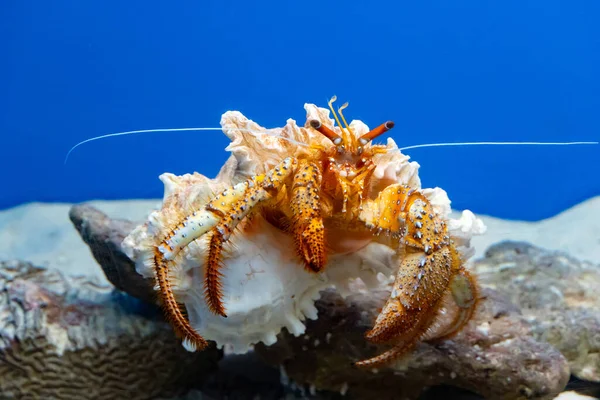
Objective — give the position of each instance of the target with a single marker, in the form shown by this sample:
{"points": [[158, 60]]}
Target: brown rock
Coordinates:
{"points": [[494, 356], [557, 294], [497, 355], [104, 237]]}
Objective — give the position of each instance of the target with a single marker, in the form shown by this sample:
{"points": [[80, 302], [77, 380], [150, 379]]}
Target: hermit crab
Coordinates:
{"points": [[321, 192]]}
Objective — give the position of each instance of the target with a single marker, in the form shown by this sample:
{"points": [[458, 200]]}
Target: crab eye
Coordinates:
{"points": [[380, 130], [325, 131]]}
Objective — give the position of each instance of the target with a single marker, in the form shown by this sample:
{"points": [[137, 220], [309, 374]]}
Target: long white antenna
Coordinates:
{"points": [[138, 131], [419, 146], [178, 130]]}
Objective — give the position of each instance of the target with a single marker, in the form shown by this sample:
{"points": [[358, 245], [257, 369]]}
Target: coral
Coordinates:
{"points": [[64, 337], [259, 279]]}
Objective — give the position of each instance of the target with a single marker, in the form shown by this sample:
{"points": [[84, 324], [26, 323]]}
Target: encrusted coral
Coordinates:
{"points": [[72, 337], [265, 284]]}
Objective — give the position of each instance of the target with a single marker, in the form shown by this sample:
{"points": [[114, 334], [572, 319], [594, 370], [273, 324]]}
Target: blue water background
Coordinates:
{"points": [[508, 70]]}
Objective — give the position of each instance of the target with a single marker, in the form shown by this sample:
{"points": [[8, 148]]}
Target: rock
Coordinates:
{"points": [[498, 355], [558, 296], [486, 358], [71, 338], [583, 388], [104, 236]]}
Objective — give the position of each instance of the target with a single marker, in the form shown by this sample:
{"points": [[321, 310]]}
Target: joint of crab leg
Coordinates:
{"points": [[199, 222], [372, 134], [325, 131], [191, 228]]}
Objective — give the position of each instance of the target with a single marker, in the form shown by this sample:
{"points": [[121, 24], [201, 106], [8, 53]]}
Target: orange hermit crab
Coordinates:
{"points": [[324, 196]]}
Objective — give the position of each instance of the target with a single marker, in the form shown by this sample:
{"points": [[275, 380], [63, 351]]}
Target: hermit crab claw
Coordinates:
{"points": [[418, 288], [418, 294]]}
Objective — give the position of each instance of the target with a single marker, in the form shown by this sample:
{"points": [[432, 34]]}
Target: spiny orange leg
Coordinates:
{"points": [[233, 206], [220, 216], [423, 275], [192, 340], [231, 214], [309, 231]]}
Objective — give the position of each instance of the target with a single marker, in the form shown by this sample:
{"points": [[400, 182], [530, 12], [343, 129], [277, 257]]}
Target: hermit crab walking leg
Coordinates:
{"points": [[232, 206], [309, 231], [199, 223], [463, 288], [221, 216], [191, 339]]}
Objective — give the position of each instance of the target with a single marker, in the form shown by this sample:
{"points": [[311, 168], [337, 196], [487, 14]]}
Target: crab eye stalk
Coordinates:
{"points": [[325, 131], [380, 130]]}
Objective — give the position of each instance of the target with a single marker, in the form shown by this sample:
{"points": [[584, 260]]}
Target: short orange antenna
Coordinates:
{"points": [[373, 133], [344, 135], [352, 139]]}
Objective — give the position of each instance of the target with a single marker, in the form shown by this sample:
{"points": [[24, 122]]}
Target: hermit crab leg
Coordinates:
{"points": [[232, 206], [222, 215], [192, 340], [423, 277], [309, 231], [240, 202], [463, 288]]}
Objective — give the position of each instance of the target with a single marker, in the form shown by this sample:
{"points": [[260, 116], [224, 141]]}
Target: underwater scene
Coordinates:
{"points": [[212, 200]]}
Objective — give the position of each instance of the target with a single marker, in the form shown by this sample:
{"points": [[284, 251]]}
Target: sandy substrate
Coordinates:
{"points": [[573, 396], [42, 233], [575, 231]]}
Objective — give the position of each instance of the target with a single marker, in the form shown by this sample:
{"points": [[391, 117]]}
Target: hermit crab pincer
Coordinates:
{"points": [[320, 189]]}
